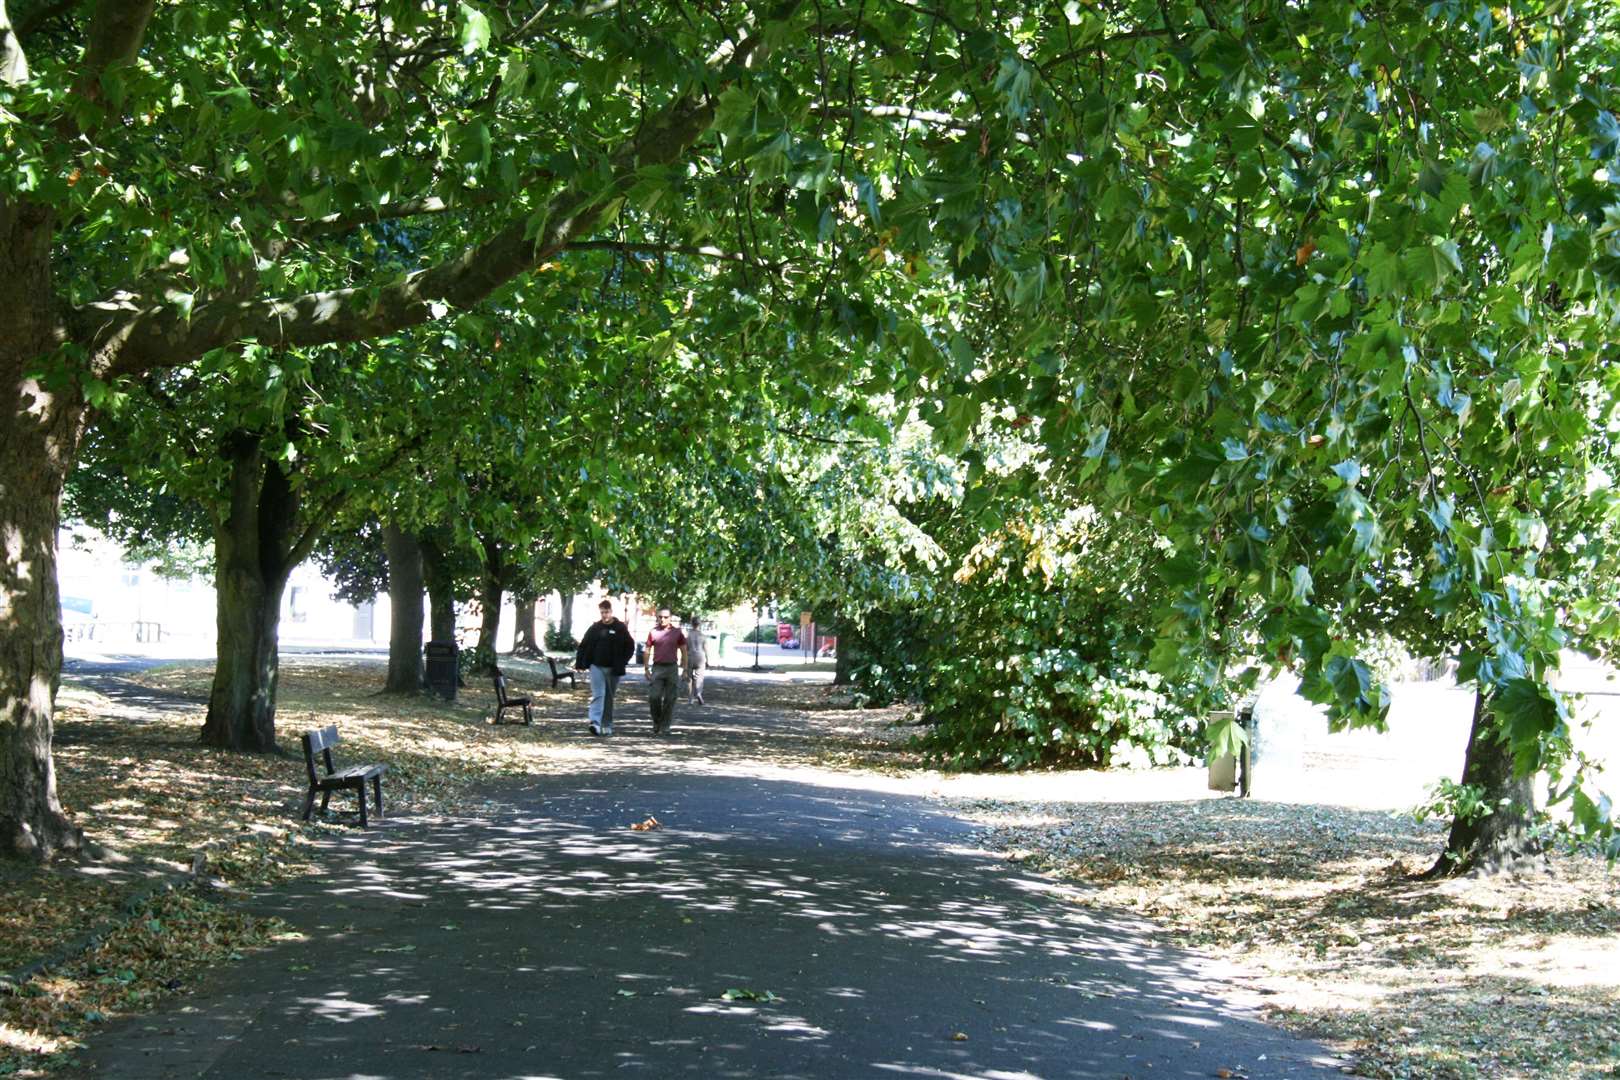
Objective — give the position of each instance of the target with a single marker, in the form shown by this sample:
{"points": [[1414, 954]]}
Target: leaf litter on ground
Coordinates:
{"points": [[1319, 907]]}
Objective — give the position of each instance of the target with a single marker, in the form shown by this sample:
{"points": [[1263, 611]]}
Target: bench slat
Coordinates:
{"points": [[358, 770], [320, 739]]}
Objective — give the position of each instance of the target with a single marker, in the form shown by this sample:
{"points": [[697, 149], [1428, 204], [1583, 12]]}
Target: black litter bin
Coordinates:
{"points": [[442, 660]]}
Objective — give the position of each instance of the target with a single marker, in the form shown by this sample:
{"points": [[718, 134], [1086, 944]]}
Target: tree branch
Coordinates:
{"points": [[13, 61], [799, 433], [333, 224], [116, 31], [704, 251], [318, 522], [132, 332]]}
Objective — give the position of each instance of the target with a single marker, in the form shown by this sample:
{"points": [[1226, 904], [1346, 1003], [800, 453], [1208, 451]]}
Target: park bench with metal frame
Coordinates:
{"points": [[504, 701], [320, 741], [560, 670]]}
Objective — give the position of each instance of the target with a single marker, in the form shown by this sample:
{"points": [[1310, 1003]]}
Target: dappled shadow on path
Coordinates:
{"points": [[767, 928]]}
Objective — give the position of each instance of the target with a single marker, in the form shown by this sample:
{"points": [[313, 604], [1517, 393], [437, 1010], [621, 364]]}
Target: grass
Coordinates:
{"points": [[1317, 907]]}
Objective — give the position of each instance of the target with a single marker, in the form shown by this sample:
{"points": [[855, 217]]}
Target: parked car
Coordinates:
{"points": [[785, 637]]}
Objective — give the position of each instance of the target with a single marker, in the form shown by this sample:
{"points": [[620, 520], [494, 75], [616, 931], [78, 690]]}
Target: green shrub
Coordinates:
{"points": [[477, 660], [1057, 706], [1033, 654], [558, 640]]}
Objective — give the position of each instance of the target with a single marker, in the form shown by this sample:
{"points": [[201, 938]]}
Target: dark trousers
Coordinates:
{"points": [[662, 686]]}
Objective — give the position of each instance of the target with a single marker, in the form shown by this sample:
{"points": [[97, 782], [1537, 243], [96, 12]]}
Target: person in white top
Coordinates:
{"points": [[697, 660]]}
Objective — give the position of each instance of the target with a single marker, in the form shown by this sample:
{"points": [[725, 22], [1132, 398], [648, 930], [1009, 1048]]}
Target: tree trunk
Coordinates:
{"points": [[489, 601], [441, 589], [842, 674], [565, 617], [1502, 839], [39, 437], [405, 595], [523, 642], [252, 549]]}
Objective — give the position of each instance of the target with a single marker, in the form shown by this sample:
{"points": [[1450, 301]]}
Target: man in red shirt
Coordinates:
{"points": [[664, 644]]}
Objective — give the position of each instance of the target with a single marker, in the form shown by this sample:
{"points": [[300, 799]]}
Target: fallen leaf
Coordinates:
{"points": [[649, 824]]}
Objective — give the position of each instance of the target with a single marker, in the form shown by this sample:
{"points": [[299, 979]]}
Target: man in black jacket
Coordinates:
{"points": [[605, 650]]}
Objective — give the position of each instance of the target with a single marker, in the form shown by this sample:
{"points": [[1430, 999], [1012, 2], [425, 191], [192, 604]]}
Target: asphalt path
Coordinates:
{"points": [[766, 929], [779, 922]]}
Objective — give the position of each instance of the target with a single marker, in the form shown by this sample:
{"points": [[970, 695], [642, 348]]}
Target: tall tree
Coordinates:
{"points": [[265, 448], [407, 591], [243, 152], [1340, 299], [1026, 206]]}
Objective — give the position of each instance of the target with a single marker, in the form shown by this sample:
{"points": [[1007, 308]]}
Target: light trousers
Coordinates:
{"points": [[604, 684]]}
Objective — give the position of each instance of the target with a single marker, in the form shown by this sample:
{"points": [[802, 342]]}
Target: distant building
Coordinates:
{"points": [[108, 600]]}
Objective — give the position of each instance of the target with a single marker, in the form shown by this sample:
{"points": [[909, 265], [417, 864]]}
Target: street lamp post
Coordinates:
{"points": [[756, 666]]}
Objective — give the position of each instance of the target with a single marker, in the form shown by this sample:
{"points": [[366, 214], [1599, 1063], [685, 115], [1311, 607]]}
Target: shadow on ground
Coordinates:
{"points": [[767, 928]]}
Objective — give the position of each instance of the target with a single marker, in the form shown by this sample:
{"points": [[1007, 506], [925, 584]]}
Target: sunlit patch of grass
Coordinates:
{"points": [[1456, 980]]}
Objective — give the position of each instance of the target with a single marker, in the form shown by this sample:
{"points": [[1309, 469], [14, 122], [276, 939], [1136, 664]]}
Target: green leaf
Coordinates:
{"points": [[474, 29], [1300, 579], [1013, 82], [1446, 256], [1526, 711], [1383, 271]]}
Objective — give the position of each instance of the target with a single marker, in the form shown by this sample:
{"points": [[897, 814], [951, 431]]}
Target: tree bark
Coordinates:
{"points": [[523, 640], [441, 590], [253, 551], [13, 63], [1502, 839], [39, 436], [565, 617], [405, 601], [489, 600], [843, 675]]}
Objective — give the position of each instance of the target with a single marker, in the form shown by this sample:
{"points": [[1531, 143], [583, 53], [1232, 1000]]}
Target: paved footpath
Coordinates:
{"points": [[554, 941]]}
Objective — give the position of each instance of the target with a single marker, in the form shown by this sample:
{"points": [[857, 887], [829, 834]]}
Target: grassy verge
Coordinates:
{"points": [[1496, 978]]}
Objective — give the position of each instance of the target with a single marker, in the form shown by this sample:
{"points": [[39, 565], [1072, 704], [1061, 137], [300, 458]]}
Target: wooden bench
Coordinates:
{"points": [[503, 701], [321, 741], [560, 670]]}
